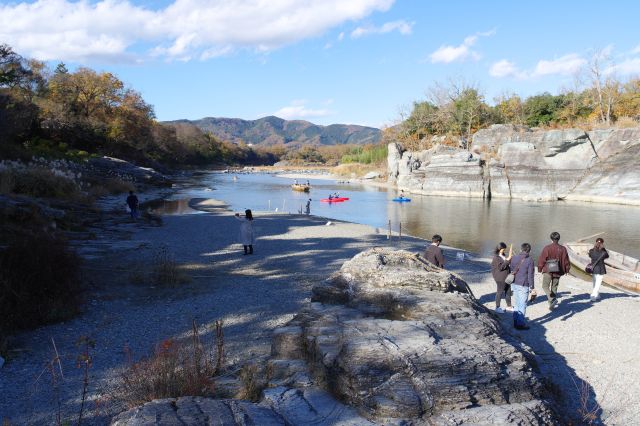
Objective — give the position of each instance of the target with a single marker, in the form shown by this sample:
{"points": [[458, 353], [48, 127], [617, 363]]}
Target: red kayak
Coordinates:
{"points": [[334, 200]]}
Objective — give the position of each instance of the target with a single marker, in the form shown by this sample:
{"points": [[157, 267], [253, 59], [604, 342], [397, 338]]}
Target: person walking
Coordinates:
{"points": [[523, 268], [308, 207], [133, 203], [553, 263], [500, 270], [246, 231], [597, 254], [433, 253]]}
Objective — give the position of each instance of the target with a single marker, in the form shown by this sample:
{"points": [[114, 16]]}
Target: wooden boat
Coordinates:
{"points": [[622, 271], [300, 187]]}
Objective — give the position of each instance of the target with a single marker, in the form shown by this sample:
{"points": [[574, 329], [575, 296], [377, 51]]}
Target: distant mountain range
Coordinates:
{"points": [[275, 131]]}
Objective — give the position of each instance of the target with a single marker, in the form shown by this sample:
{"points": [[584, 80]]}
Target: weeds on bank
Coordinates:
{"points": [[165, 271], [175, 369]]}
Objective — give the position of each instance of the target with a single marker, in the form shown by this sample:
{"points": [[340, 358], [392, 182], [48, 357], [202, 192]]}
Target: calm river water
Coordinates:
{"points": [[471, 224]]}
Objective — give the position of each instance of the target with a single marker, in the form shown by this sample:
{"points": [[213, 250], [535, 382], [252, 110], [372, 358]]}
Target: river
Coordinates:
{"points": [[474, 225]]}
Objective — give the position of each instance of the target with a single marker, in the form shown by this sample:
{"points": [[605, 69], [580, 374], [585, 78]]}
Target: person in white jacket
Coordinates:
{"points": [[246, 231]]}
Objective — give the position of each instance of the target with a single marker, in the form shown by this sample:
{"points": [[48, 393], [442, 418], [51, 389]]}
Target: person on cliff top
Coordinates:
{"points": [[523, 268], [500, 270], [553, 263], [433, 253], [246, 231], [133, 203], [597, 254]]}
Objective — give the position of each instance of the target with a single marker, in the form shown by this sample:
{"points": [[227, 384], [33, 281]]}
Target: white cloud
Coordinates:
{"points": [[297, 110], [629, 66], [185, 29], [403, 27], [462, 52], [505, 68], [565, 65]]}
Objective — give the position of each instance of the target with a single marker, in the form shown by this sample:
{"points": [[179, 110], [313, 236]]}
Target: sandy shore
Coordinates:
{"points": [[579, 341]]}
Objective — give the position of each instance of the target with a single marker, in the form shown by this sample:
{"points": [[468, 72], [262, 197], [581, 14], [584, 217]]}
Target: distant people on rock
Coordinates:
{"points": [[500, 270], [553, 263], [246, 231], [523, 268], [133, 203], [433, 253], [597, 254], [308, 207]]}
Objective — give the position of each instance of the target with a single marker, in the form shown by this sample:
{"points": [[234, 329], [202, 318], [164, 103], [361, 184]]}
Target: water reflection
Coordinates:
{"points": [[472, 224]]}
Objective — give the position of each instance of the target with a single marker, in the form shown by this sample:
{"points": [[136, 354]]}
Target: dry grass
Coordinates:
{"points": [[38, 182], [353, 170], [175, 369], [165, 270], [626, 123]]}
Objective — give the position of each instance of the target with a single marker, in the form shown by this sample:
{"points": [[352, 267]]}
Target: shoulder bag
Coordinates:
{"points": [[589, 268], [512, 276]]}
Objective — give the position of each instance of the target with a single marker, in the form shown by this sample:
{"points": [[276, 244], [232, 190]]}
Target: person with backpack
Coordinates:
{"points": [[597, 254], [553, 263], [523, 268]]}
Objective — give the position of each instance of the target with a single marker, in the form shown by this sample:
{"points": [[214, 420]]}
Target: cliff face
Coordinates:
{"points": [[517, 162]]}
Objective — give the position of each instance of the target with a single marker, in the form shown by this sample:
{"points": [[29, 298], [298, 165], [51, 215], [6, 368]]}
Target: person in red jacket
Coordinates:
{"points": [[553, 263]]}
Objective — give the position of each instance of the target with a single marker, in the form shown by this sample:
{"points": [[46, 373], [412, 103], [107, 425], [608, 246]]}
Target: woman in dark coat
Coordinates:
{"points": [[500, 270], [598, 254]]}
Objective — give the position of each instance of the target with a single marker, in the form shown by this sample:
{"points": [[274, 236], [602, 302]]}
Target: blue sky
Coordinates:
{"points": [[326, 61]]}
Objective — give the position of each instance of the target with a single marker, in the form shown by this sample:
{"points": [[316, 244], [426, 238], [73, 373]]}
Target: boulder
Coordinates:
{"points": [[529, 164], [389, 339], [372, 175]]}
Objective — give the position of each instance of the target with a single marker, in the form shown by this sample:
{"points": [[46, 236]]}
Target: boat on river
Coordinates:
{"points": [[401, 200], [300, 187], [334, 200], [622, 271]]}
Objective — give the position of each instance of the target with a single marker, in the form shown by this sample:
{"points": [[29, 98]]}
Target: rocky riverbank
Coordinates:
{"points": [[521, 163], [344, 354]]}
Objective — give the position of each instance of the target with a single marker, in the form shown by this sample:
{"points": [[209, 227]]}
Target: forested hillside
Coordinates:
{"points": [[59, 113], [293, 133]]}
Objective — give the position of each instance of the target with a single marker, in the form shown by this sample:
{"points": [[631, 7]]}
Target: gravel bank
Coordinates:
{"points": [[255, 294]]}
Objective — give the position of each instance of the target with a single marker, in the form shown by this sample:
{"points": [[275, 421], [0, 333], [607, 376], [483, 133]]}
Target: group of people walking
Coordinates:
{"points": [[514, 275]]}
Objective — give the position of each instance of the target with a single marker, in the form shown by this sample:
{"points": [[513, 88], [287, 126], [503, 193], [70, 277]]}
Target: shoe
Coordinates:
{"points": [[499, 310], [508, 309], [553, 304], [522, 327]]}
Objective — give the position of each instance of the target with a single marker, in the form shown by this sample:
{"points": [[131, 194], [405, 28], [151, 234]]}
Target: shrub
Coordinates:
{"points": [[175, 369], [165, 271], [38, 182], [39, 282]]}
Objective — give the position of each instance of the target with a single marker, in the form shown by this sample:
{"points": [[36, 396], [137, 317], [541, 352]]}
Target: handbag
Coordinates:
{"points": [[512, 276], [553, 265], [589, 268]]}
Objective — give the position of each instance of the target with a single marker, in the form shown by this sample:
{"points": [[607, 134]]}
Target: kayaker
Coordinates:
{"points": [[331, 196]]}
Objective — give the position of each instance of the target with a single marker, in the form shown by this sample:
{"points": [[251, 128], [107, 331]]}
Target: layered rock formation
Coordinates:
{"points": [[518, 162], [389, 339]]}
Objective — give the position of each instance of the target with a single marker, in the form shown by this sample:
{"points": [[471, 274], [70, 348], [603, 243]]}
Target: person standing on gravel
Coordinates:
{"points": [[133, 203], [523, 268], [433, 253], [500, 270], [553, 263], [597, 254], [246, 231]]}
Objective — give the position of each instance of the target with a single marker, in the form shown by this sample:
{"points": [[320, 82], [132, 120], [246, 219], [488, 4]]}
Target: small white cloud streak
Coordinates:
{"points": [[627, 67], [448, 53], [565, 65], [297, 110], [505, 68], [403, 27], [79, 30]]}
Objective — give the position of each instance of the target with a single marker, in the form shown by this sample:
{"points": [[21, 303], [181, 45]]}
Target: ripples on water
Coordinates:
{"points": [[475, 225]]}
